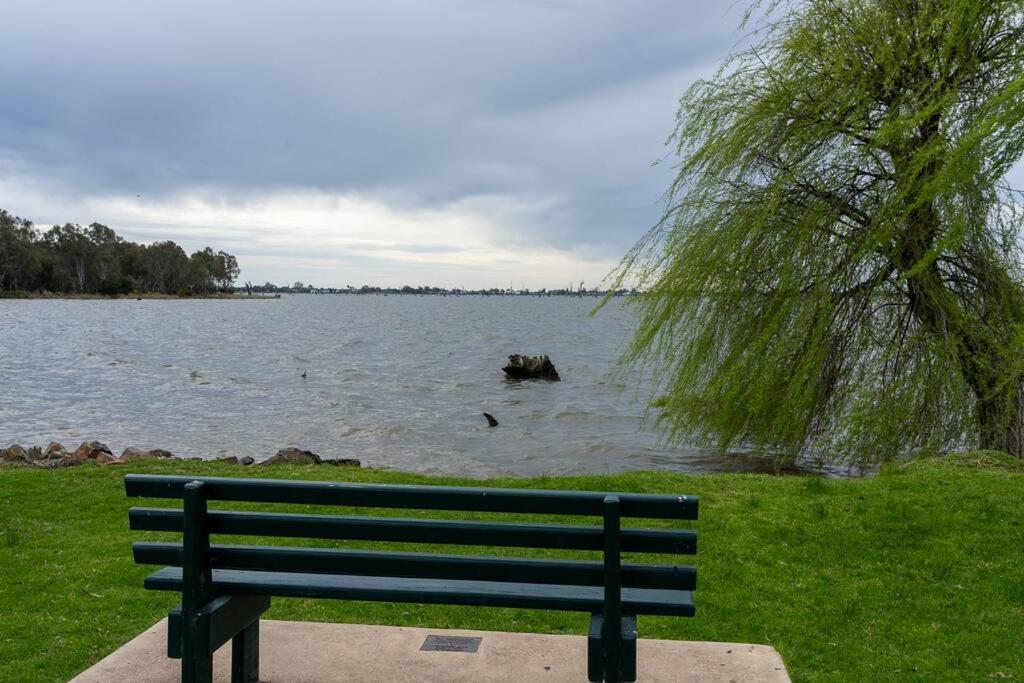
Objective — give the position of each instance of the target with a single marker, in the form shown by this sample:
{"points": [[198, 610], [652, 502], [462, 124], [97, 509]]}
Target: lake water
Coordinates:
{"points": [[396, 381]]}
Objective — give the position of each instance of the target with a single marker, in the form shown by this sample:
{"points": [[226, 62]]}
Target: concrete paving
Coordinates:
{"points": [[305, 652]]}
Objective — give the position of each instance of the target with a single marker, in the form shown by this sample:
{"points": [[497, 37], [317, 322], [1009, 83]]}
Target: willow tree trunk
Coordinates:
{"points": [[980, 354], [1001, 419], [1002, 423]]}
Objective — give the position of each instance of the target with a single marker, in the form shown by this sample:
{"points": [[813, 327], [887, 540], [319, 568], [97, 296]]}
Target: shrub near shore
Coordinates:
{"points": [[912, 574]]}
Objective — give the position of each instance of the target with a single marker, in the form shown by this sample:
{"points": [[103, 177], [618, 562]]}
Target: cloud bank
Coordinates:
{"points": [[459, 142]]}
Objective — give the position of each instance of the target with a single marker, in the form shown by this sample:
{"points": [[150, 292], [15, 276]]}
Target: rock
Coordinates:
{"points": [[247, 460], [491, 422], [84, 451], [107, 459], [56, 455], [89, 450], [14, 452], [35, 453], [293, 455], [54, 447], [531, 367], [343, 462], [131, 454], [230, 460], [66, 461]]}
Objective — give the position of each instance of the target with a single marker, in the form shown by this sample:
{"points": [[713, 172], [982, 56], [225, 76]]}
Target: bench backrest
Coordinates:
{"points": [[609, 537]]}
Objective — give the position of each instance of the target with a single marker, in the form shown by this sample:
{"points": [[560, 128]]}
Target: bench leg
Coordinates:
{"points": [[628, 664], [197, 669], [596, 650], [245, 655], [612, 641], [196, 658]]}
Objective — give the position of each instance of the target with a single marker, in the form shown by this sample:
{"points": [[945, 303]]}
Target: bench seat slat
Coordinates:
{"points": [[420, 565], [469, 499], [433, 591], [405, 530]]}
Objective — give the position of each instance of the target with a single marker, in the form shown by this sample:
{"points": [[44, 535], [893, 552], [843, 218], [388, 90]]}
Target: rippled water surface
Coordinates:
{"points": [[399, 382]]}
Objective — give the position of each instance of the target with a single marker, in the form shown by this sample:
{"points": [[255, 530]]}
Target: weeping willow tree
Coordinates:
{"points": [[838, 268]]}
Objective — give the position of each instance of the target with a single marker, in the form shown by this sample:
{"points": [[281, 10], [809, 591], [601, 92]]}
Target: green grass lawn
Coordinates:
{"points": [[915, 574]]}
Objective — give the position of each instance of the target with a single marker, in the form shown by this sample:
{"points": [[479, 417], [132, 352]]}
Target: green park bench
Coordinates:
{"points": [[225, 588]]}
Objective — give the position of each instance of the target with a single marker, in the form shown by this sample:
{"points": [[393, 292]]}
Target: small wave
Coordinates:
{"points": [[574, 412]]}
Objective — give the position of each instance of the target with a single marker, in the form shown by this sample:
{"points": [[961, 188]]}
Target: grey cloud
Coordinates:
{"points": [[560, 101]]}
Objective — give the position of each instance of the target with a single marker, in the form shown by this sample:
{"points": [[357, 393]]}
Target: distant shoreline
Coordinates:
{"points": [[138, 295], [11, 296]]}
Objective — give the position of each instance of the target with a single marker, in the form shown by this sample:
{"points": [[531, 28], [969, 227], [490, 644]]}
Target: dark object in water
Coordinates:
{"points": [[531, 367], [491, 422], [303, 374]]}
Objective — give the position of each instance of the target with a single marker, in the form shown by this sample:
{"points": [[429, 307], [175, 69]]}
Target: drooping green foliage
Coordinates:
{"points": [[838, 270], [96, 260]]}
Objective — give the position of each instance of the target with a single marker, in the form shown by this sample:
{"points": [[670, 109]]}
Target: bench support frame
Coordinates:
{"points": [[203, 623], [611, 640], [612, 635]]}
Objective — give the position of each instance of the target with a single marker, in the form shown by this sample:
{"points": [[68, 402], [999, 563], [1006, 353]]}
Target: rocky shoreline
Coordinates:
{"points": [[56, 456]]}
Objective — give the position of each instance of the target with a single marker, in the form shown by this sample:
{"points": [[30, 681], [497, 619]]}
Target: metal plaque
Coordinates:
{"points": [[450, 644]]}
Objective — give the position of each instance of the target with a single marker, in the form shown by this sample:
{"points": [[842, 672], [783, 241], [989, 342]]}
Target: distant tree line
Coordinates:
{"points": [[96, 260], [300, 288]]}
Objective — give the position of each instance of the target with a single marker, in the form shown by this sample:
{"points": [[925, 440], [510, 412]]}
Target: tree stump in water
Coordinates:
{"points": [[531, 367]]}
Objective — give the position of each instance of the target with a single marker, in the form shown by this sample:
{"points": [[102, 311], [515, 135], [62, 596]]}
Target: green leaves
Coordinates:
{"points": [[837, 269]]}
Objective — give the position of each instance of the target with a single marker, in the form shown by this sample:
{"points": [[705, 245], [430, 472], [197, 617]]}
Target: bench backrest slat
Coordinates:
{"points": [[466, 499], [420, 565], [406, 530]]}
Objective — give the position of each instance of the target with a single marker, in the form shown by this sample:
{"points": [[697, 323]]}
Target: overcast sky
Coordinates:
{"points": [[458, 142]]}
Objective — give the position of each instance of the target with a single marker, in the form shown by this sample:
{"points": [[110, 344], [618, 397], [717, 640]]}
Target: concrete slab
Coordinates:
{"points": [[305, 652]]}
